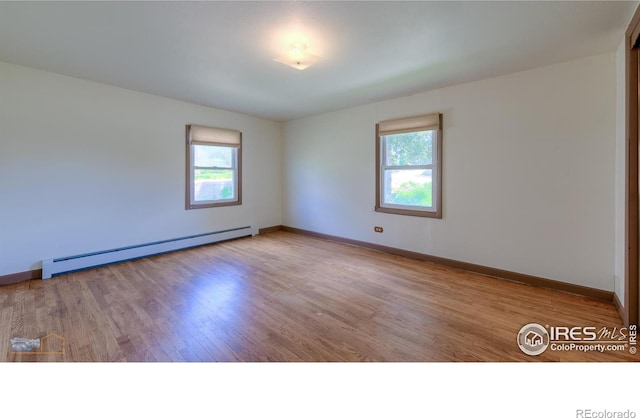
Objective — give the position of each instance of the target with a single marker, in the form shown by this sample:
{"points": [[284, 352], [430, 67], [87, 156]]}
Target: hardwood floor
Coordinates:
{"points": [[288, 297]]}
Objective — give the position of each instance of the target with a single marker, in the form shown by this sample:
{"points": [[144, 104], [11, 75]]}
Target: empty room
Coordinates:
{"points": [[319, 181]]}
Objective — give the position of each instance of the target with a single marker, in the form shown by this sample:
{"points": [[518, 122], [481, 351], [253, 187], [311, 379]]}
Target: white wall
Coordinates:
{"points": [[620, 163], [528, 173], [87, 167]]}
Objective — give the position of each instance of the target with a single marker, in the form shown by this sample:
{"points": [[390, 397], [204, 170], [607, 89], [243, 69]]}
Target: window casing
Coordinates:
{"points": [[214, 167], [409, 166]]}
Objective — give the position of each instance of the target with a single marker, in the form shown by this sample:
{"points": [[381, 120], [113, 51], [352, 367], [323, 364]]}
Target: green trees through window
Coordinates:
{"points": [[413, 148], [410, 187]]}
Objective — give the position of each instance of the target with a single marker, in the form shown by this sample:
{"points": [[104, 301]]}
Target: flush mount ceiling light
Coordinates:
{"points": [[297, 57]]}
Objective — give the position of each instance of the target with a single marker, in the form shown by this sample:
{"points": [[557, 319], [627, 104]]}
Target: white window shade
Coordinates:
{"points": [[413, 124], [205, 135]]}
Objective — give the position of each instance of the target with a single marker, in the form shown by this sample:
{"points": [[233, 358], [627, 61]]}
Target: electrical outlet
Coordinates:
{"points": [[378, 228]]}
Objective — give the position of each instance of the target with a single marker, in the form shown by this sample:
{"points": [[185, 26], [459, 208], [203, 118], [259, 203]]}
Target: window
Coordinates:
{"points": [[409, 166], [214, 167]]}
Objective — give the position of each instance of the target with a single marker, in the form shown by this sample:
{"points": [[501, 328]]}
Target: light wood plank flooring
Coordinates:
{"points": [[288, 297]]}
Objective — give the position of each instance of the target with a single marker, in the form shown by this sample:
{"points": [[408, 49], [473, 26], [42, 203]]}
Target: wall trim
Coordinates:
{"points": [[23, 276], [269, 229], [476, 268], [632, 210]]}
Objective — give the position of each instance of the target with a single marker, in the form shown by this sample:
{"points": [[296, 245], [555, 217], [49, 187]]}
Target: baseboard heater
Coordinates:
{"points": [[53, 266]]}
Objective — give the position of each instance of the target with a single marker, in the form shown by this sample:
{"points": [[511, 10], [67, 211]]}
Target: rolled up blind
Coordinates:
{"points": [[205, 135], [416, 123]]}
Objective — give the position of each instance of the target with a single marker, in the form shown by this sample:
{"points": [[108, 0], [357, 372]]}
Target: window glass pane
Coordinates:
{"points": [[413, 148], [408, 187], [212, 156], [212, 184]]}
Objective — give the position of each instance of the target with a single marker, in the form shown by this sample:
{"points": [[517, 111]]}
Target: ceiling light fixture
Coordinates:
{"points": [[297, 57]]}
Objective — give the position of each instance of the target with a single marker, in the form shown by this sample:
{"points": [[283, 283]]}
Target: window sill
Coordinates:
{"points": [[212, 205], [407, 212]]}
